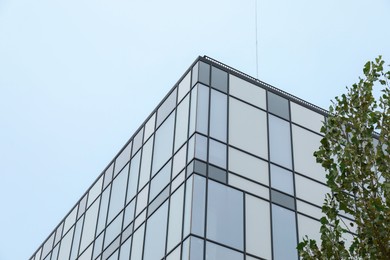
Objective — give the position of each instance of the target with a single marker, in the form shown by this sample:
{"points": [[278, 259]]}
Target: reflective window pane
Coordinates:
{"points": [[194, 98], [175, 218], [225, 215], [217, 155], [163, 143], [181, 123], [129, 213], [142, 199], [201, 147], [89, 225], [138, 140], [113, 230], [149, 127], [184, 86], [122, 159], [65, 245], [310, 191], [204, 73], [138, 243], [306, 117], [248, 132], [118, 193], [103, 210], [219, 79], [214, 251], [198, 205], [166, 108], [95, 191], [125, 250], [146, 163], [280, 141], [179, 161], [202, 109], [278, 105], [70, 219], [218, 115], [160, 181], [76, 238], [284, 233], [156, 233], [282, 179], [133, 177]]}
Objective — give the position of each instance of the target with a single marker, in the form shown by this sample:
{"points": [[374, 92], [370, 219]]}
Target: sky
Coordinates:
{"points": [[78, 77]]}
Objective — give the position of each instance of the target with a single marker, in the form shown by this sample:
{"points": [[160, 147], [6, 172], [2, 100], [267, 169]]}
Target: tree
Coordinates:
{"points": [[355, 152]]}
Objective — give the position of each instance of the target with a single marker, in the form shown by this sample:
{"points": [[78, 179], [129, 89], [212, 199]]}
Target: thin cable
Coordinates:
{"points": [[257, 51]]}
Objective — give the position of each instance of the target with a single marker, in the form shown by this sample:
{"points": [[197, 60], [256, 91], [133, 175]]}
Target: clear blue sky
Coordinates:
{"points": [[78, 77]]}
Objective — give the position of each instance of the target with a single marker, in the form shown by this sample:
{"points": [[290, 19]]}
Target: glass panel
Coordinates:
{"points": [[175, 254], [248, 186], [89, 225], [195, 73], [218, 115], [201, 147], [129, 213], [280, 141], [110, 249], [156, 234], [308, 209], [138, 243], [122, 159], [219, 79], [204, 73], [65, 245], [70, 219], [108, 175], [167, 107], [198, 205], [214, 251], [182, 123], [82, 204], [47, 247], [248, 132], [310, 191], [282, 179], [140, 219], [138, 140], [59, 233], [217, 153], [95, 191], [308, 227], [103, 210], [217, 174], [282, 199], [188, 207], [194, 98], [163, 143], [133, 177], [98, 244], [114, 256], [87, 255], [186, 250], [258, 227], [278, 105], [54, 254], [202, 109], [113, 230], [149, 127], [179, 161], [125, 250], [175, 218], [248, 166], [306, 117], [142, 199], [246, 91], [118, 193], [225, 215], [178, 181], [304, 144], [184, 86], [146, 162], [161, 180], [196, 248], [284, 233], [76, 238], [158, 201]]}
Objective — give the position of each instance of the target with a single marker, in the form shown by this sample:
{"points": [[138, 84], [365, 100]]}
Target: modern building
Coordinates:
{"points": [[223, 168]]}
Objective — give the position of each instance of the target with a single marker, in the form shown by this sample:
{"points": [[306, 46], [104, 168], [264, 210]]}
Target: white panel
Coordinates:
{"points": [[247, 92], [306, 117], [258, 227], [248, 166], [248, 186], [309, 227], [308, 209], [248, 128], [305, 143], [310, 191]]}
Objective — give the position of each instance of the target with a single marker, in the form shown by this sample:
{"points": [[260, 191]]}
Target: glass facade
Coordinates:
{"points": [[221, 169]]}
